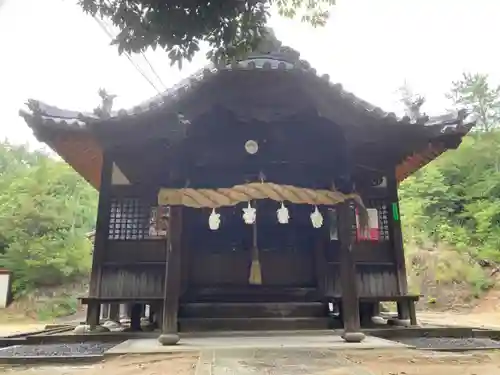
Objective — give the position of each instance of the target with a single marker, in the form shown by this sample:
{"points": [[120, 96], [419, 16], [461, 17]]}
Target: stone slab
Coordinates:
{"points": [[151, 346], [282, 361]]}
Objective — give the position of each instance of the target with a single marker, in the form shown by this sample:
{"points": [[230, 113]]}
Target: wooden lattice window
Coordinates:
{"points": [[129, 220]]}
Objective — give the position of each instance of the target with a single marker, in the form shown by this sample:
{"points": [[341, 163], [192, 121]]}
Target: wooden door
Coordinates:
{"points": [[223, 257]]}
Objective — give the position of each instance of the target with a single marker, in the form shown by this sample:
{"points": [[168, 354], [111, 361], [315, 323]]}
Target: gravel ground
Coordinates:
{"points": [[143, 364], [56, 350], [450, 343]]}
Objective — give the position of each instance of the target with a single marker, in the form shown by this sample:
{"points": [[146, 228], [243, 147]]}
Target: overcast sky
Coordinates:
{"points": [[51, 51]]}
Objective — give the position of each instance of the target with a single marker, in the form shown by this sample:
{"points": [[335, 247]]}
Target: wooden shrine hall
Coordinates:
{"points": [[254, 195]]}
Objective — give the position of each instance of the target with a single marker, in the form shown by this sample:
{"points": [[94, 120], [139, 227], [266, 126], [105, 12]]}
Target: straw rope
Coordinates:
{"points": [[214, 198]]}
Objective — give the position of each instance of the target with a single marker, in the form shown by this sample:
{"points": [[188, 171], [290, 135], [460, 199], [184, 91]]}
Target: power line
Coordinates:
{"points": [[108, 33], [154, 71]]}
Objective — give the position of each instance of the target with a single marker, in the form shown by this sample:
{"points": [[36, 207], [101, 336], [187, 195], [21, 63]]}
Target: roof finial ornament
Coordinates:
{"points": [[104, 110], [270, 45], [34, 106]]}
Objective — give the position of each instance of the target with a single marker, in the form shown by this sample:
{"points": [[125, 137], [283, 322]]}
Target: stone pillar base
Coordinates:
{"points": [[111, 324], [379, 320], [85, 328], [353, 336], [168, 338]]}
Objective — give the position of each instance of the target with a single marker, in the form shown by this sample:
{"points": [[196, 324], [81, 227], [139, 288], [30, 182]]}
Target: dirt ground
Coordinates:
{"points": [[394, 362], [413, 362], [376, 362], [490, 320], [486, 314], [166, 364]]}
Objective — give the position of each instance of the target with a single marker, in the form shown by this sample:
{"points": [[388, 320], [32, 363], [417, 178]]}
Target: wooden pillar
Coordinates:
{"points": [[124, 313], [348, 277], [151, 315], [185, 263], [135, 317], [321, 265], [172, 286], [114, 312], [406, 309], [100, 239], [104, 311], [93, 314], [403, 310], [396, 236]]}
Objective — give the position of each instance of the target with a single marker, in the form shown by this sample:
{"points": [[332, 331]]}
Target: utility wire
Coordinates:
{"points": [[108, 33], [154, 71]]}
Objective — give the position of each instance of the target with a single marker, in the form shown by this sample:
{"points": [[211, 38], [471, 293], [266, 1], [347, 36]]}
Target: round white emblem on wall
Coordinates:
{"points": [[251, 147]]}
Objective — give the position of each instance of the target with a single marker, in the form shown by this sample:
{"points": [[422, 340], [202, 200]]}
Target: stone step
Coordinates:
{"points": [[253, 310], [253, 324]]}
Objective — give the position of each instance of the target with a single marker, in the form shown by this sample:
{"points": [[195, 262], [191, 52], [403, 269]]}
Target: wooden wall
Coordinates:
{"points": [[133, 269], [286, 268], [372, 280], [379, 264], [132, 265], [137, 282]]}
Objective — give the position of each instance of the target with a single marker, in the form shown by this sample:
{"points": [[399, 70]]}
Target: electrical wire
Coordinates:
{"points": [[141, 72], [154, 72]]}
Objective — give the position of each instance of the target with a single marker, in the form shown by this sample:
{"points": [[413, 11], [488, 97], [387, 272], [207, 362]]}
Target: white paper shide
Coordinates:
{"points": [[283, 214], [214, 220], [249, 214], [316, 218]]}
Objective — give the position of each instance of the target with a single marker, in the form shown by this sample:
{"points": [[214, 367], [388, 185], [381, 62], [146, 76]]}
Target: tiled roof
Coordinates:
{"points": [[82, 150], [269, 55], [46, 115]]}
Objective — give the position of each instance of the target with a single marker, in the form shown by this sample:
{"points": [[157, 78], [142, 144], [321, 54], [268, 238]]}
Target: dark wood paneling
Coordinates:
{"points": [[363, 251], [372, 279], [288, 268], [139, 282], [232, 268], [131, 252], [148, 193], [227, 268]]}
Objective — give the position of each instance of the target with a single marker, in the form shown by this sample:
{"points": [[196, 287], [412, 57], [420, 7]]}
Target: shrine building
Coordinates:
{"points": [[251, 196]]}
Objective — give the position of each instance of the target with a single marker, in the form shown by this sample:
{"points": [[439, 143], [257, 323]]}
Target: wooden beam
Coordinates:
{"points": [[348, 277], [169, 332]]}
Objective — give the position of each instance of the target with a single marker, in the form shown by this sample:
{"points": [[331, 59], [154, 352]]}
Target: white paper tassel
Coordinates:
{"points": [[249, 214], [283, 214], [214, 220], [316, 218]]}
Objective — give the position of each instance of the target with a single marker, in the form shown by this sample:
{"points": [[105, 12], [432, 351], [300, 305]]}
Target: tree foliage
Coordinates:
{"points": [[475, 93], [456, 199], [231, 27], [46, 209]]}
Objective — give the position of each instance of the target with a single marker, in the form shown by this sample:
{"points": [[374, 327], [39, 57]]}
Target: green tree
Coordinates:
{"points": [[475, 93], [231, 27], [46, 209], [456, 199]]}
